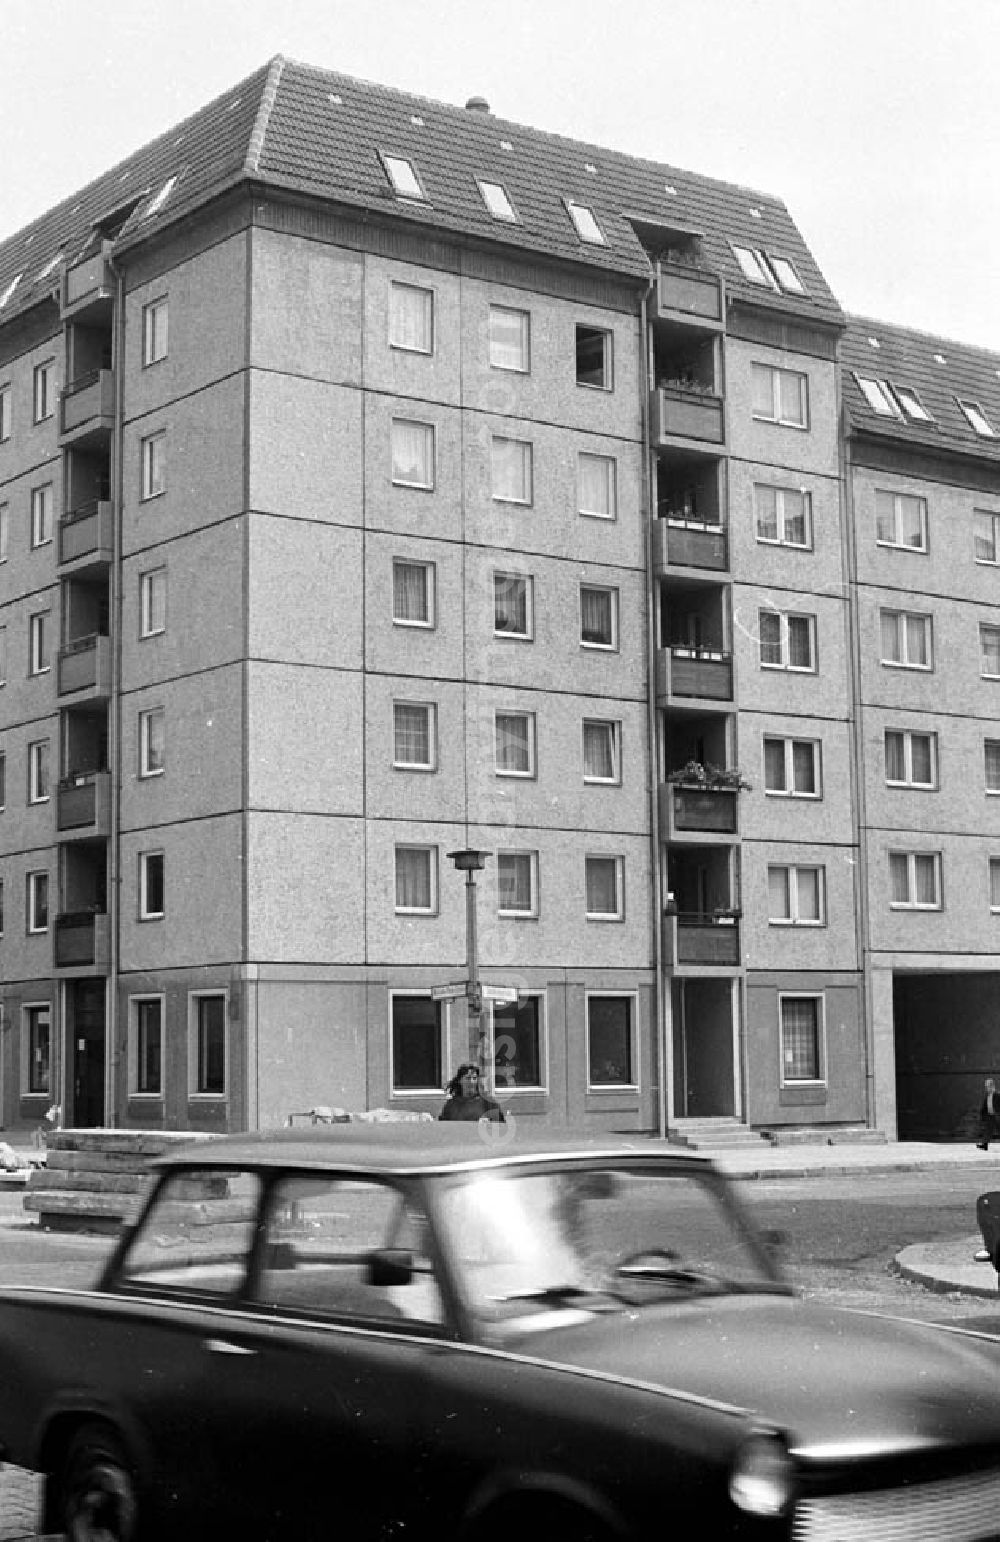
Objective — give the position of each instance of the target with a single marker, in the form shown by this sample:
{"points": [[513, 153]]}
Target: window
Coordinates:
{"points": [[911, 404], [3, 655], [152, 741], [159, 199], [991, 754], [495, 198], [5, 413], [208, 1051], [146, 1047], [4, 531], [38, 1034], [984, 537], [405, 182], [995, 884], [517, 1044], [787, 641], [153, 602], [154, 331], [784, 272], [41, 515], [517, 884], [783, 514], [411, 318], [509, 339], [611, 1047], [989, 652], [594, 357], [416, 1044], [596, 480], [915, 880], [801, 1032], [605, 900], [3, 781], [44, 390], [416, 879], [38, 902], [512, 605], [412, 453], [901, 520], [977, 419], [602, 750], [512, 476], [154, 466], [878, 394], [514, 734], [598, 616], [412, 593], [1, 907], [150, 885], [38, 771], [910, 758], [414, 730], [755, 267], [780, 396], [39, 660], [792, 768], [795, 896], [585, 223], [906, 639]]}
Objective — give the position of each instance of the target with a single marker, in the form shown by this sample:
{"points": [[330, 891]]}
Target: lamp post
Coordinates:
{"points": [[470, 862]]}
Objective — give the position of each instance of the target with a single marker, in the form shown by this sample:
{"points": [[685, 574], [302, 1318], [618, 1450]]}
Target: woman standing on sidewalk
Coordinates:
{"points": [[989, 1116]]}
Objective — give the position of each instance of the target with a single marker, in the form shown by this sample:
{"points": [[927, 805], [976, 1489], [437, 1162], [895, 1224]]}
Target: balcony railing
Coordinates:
{"points": [[87, 283], [83, 805], [87, 407], [82, 941], [694, 672], [697, 810], [86, 535], [686, 413], [684, 291], [693, 937], [690, 543], [85, 665]]}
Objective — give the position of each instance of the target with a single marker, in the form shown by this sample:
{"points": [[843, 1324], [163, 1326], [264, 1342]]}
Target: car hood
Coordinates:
{"points": [[840, 1383]]}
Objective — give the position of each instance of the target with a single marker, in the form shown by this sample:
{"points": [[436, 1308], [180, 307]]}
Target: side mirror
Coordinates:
{"points": [[389, 1266]]}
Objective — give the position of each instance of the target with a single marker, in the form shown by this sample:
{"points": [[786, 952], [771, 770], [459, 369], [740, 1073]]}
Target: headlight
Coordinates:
{"points": [[763, 1478]]}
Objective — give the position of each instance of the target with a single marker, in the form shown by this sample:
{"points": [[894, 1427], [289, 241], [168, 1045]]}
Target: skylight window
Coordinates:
{"points": [[505, 144], [976, 417], [496, 200], [879, 397], [787, 276], [403, 177], [5, 296], [584, 219], [754, 266], [50, 266], [911, 404], [160, 198]]}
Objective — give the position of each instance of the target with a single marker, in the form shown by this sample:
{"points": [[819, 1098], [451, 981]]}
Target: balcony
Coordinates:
{"points": [[87, 409], [693, 674], [84, 669], [689, 295], [701, 812], [689, 543], [86, 537], [83, 806], [699, 940], [88, 288], [688, 418], [83, 942]]}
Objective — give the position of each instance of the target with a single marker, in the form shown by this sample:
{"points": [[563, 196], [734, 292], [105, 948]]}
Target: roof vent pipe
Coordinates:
{"points": [[477, 104]]}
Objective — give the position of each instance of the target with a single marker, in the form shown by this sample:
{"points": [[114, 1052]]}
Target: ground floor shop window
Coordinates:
{"points": [[147, 1046], [38, 1042], [415, 1031], [517, 1045], [209, 1046], [611, 1041], [801, 1039]]}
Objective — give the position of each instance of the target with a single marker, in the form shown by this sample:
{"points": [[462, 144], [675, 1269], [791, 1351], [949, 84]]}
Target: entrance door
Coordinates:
{"points": [[86, 1017], [704, 1050]]}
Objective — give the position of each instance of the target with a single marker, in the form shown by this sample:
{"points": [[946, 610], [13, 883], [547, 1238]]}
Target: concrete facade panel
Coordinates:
{"points": [[28, 698], [306, 307], [814, 448], [956, 673], [304, 586], [437, 793], [305, 740], [203, 750], [964, 924], [960, 800], [31, 445], [303, 453], [305, 888], [205, 603], [28, 569], [203, 887], [436, 651], [840, 1097], [395, 371], [778, 689], [404, 509], [781, 945], [768, 816], [816, 570], [26, 826], [311, 1043]]}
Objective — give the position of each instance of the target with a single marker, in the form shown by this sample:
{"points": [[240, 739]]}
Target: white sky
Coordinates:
{"points": [[877, 121]]}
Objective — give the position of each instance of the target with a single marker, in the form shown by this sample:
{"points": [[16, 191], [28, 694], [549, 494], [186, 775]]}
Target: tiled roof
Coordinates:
{"points": [[941, 372], [320, 133]]}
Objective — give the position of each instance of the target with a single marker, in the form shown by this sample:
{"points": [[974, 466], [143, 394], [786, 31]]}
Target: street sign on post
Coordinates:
{"points": [[503, 995], [450, 992]]}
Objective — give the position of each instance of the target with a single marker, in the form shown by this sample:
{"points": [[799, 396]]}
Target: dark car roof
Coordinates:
{"points": [[412, 1147]]}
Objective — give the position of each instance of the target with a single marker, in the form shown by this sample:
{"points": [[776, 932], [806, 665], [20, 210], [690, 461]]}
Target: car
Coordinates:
{"points": [[456, 1332]]}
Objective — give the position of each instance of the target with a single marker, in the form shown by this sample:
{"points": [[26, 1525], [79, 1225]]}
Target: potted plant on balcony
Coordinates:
{"points": [[709, 777]]}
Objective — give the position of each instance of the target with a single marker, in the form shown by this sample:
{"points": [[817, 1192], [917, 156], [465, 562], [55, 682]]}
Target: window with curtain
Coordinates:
{"points": [[517, 1044], [900, 520], [989, 649], [769, 633], [598, 616], [413, 735], [906, 639], [604, 899], [791, 766], [596, 489], [511, 605], [895, 756], [801, 1039], [152, 742], [411, 318], [511, 470], [509, 339], [995, 883], [779, 395], [515, 743], [795, 895], [600, 750], [984, 537], [515, 883], [412, 453], [800, 642], [775, 769], [611, 1048], [415, 878], [914, 880], [783, 515], [991, 749], [417, 1044], [412, 593]]}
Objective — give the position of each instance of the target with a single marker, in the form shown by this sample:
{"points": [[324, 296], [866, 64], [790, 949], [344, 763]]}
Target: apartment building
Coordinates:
{"points": [[382, 481]]}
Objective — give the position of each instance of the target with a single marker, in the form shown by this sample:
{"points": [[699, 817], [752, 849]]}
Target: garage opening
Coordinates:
{"points": [[946, 1029]]}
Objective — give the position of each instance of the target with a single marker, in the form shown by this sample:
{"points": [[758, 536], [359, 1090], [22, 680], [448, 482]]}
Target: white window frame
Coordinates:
{"points": [[898, 500], [975, 415], [495, 344], [501, 1082], [403, 177], [992, 790], [790, 790], [424, 481], [635, 1085], [755, 266], [153, 463], [776, 372], [612, 591], [607, 337], [792, 871], [821, 1044], [429, 709], [402, 294], [144, 911], [911, 404], [984, 629], [618, 915], [980, 516], [33, 881], [614, 724], [151, 581], [525, 498], [879, 396], [195, 1047], [147, 717], [905, 616], [784, 618], [39, 652], [497, 201], [507, 634], [6, 412], [908, 735], [519, 854], [782, 520], [994, 887], [585, 222], [428, 622], [529, 719], [609, 467], [134, 1004], [910, 903], [431, 853], [4, 531], [3, 780], [42, 522], [396, 1091], [39, 779], [30, 1011], [43, 390], [155, 319], [3, 655]]}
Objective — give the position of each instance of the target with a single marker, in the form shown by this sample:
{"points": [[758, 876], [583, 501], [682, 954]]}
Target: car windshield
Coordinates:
{"points": [[530, 1244]]}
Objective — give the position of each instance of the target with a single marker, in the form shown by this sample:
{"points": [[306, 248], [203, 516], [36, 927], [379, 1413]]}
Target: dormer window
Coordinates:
{"points": [[499, 205], [879, 397], [585, 221], [405, 182], [977, 419]]}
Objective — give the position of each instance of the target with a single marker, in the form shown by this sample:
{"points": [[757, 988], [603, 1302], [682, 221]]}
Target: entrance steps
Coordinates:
{"points": [[728, 1134]]}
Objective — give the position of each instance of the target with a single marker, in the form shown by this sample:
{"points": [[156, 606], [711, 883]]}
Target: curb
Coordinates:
{"points": [[841, 1170]]}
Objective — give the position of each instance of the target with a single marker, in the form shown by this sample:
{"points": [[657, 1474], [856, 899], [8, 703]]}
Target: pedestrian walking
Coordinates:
{"points": [[989, 1116]]}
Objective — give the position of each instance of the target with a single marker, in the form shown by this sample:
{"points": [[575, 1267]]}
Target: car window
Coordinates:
{"points": [[198, 1233], [347, 1248]]}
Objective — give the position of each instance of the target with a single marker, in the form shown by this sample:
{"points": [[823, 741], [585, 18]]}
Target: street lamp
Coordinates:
{"points": [[470, 862]]}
